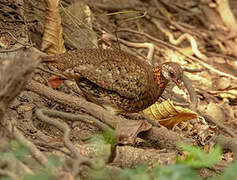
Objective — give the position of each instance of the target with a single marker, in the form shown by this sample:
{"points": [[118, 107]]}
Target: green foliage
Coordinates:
{"points": [[172, 172], [43, 174], [54, 161], [102, 152], [110, 137], [197, 158], [175, 172], [140, 173], [182, 170], [46, 173], [5, 178], [102, 148], [229, 173], [18, 149], [99, 173]]}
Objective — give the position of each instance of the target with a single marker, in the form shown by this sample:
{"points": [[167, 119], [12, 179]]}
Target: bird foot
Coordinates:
{"points": [[134, 116]]}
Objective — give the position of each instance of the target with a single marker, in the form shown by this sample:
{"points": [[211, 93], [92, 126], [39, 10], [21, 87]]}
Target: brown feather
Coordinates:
{"points": [[113, 79]]}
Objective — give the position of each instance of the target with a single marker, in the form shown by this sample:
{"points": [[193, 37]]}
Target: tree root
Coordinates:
{"points": [[161, 136]]}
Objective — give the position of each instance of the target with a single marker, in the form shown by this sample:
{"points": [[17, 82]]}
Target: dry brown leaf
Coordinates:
{"points": [[55, 81], [215, 111], [78, 17], [127, 131], [3, 42], [52, 41], [201, 79], [222, 83], [169, 115]]}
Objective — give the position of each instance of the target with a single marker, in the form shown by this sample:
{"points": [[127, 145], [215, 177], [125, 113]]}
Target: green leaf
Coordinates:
{"points": [[198, 158], [229, 173], [126, 173], [141, 169], [176, 172], [139, 173], [110, 137], [19, 150], [54, 161], [102, 149], [41, 175]]}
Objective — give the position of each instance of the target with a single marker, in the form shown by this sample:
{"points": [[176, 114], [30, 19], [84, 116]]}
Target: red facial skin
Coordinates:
{"points": [[177, 82]]}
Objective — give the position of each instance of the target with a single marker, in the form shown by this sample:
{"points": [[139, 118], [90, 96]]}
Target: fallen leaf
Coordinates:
{"points": [[3, 42], [54, 81], [52, 41], [222, 83], [169, 115], [215, 111], [82, 35], [127, 131]]}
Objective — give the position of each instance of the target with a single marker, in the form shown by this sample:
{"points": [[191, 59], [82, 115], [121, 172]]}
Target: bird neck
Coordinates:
{"points": [[160, 79]]}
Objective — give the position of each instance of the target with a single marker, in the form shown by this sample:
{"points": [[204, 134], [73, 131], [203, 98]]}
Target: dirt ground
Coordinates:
{"points": [[23, 21]]}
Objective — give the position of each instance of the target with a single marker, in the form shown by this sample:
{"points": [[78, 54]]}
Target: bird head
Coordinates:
{"points": [[172, 72]]}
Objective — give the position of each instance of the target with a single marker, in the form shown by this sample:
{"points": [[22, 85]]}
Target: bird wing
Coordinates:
{"points": [[121, 73]]}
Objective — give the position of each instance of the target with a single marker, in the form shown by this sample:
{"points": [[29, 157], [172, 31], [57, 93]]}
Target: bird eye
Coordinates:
{"points": [[172, 75]]}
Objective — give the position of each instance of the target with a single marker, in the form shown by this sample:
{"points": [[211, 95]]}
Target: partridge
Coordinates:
{"points": [[116, 80]]}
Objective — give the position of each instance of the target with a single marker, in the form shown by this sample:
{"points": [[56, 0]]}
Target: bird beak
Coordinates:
{"points": [[178, 83]]}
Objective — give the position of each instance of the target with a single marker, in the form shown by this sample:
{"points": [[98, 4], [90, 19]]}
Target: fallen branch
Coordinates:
{"points": [[131, 157], [14, 72], [39, 156], [43, 114], [161, 136]]}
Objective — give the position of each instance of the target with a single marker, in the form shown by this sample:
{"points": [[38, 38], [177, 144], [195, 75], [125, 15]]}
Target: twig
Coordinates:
{"points": [[160, 136], [43, 114], [9, 174], [73, 101], [25, 168], [78, 117], [13, 50], [52, 146], [180, 39], [192, 70], [230, 58], [25, 45], [221, 126], [52, 72], [34, 151], [227, 143], [149, 46], [177, 49]]}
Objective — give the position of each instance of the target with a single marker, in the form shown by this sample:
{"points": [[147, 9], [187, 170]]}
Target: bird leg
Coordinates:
{"points": [[134, 116], [139, 116]]}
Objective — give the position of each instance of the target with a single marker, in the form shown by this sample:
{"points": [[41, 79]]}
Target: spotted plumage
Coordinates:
{"points": [[116, 80]]}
